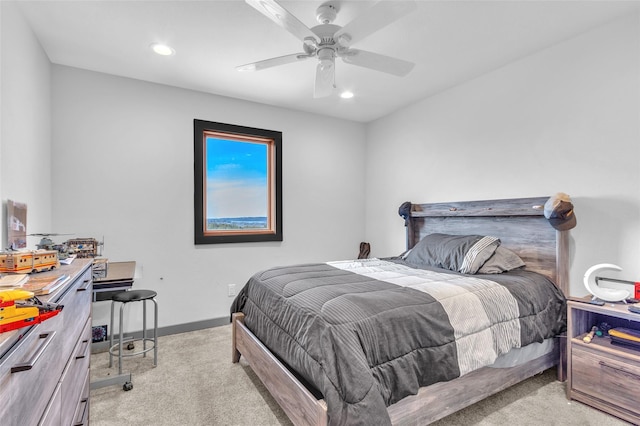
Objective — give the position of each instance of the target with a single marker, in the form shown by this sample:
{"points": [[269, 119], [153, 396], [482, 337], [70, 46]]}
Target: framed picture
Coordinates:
{"points": [[16, 225], [238, 183]]}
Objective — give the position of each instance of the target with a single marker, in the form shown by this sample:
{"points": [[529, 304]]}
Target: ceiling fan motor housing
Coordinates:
{"points": [[325, 33]]}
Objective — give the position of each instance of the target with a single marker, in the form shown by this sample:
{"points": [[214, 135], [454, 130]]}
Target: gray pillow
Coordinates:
{"points": [[460, 253], [503, 260]]}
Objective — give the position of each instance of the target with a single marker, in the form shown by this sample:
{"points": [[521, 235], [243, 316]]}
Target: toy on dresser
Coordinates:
{"points": [[28, 261], [20, 308]]}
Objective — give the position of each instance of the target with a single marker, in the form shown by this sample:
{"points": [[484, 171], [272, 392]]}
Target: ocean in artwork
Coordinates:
{"points": [[222, 223]]}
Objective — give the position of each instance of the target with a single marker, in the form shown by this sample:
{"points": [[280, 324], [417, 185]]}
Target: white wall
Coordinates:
{"points": [[123, 170], [25, 123], [563, 120]]}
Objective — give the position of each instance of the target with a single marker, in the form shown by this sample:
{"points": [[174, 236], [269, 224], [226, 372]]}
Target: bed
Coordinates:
{"points": [[333, 344]]}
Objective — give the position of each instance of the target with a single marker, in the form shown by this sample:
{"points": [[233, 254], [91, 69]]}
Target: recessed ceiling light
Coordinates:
{"points": [[162, 49], [346, 94]]}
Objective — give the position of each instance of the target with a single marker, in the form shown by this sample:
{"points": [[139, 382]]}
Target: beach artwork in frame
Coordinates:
{"points": [[237, 177]]}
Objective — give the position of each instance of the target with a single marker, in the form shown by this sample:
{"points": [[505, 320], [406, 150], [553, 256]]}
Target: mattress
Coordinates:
{"points": [[367, 333]]}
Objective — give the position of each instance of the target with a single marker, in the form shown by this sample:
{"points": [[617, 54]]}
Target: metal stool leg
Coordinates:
{"points": [[144, 328], [155, 333], [121, 339], [111, 337]]}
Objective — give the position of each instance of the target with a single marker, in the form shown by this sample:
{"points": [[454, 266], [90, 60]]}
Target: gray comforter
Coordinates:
{"points": [[367, 333]]}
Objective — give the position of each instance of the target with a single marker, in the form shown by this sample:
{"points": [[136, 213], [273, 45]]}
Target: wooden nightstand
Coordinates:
{"points": [[601, 374]]}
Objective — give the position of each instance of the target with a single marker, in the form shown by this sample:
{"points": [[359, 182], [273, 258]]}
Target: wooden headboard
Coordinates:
{"points": [[519, 223]]}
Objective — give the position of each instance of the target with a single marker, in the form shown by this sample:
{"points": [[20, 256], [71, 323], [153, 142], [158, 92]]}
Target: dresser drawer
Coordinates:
{"points": [[610, 378], [75, 375], [81, 416], [77, 308], [31, 372], [51, 416]]}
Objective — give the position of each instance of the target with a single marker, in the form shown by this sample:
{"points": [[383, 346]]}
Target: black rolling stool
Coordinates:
{"points": [[124, 298]]}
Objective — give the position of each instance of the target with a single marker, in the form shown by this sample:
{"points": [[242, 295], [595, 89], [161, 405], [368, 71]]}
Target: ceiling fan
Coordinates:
{"points": [[328, 41]]}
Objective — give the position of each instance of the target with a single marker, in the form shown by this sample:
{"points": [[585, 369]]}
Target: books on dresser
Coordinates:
{"points": [[44, 284], [13, 280]]}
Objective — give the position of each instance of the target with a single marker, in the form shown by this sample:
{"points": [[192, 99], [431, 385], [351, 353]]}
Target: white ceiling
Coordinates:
{"points": [[450, 42]]}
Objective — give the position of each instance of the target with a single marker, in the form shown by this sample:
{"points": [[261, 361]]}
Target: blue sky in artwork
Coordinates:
{"points": [[236, 178]]}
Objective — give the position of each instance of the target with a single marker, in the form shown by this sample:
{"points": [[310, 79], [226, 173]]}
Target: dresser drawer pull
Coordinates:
{"points": [[86, 285], [47, 338], [621, 370], [82, 351], [81, 414]]}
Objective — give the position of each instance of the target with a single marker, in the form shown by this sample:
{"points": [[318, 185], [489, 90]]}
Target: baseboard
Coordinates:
{"points": [[98, 347]]}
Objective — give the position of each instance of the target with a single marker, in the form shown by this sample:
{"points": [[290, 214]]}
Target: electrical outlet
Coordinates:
{"points": [[232, 290]]}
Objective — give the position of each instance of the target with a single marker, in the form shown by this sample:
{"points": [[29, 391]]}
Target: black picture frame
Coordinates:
{"points": [[212, 192]]}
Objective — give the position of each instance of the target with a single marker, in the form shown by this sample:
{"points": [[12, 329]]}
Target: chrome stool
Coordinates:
{"points": [[124, 298]]}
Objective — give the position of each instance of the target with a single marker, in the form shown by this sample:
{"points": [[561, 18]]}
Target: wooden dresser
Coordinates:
{"points": [[601, 374], [44, 369]]}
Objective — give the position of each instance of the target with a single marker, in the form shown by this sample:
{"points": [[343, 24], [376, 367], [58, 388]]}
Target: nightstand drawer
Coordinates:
{"points": [[610, 378]]}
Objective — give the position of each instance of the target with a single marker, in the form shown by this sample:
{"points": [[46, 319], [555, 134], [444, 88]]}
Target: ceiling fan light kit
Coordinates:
{"points": [[328, 41]]}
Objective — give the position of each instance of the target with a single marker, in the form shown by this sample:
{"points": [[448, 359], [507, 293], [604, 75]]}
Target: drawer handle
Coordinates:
{"points": [[81, 415], [82, 351], [47, 339], [86, 285], [621, 370]]}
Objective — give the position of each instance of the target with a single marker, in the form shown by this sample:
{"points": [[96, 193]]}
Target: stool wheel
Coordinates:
{"points": [[131, 346], [127, 386]]}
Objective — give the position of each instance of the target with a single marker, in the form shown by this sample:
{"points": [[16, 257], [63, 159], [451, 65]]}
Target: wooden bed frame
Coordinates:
{"points": [[521, 226]]}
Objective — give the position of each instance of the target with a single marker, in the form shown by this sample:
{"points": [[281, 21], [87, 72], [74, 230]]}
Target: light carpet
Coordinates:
{"points": [[195, 383]]}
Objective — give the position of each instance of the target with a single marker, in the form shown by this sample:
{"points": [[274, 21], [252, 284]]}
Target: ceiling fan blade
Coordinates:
{"points": [[377, 62], [325, 77], [379, 16], [278, 14], [273, 62]]}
